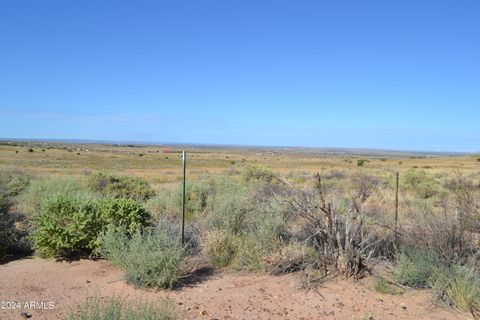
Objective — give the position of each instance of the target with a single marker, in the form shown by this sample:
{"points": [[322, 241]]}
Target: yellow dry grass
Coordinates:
{"points": [[160, 165]]}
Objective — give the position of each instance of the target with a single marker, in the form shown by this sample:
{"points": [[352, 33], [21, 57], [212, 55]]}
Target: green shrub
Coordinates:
{"points": [[64, 225], [257, 172], [248, 254], [109, 185], [361, 162], [118, 309], [4, 236], [43, 190], [124, 214], [164, 205], [13, 233], [219, 248], [240, 218], [168, 202], [150, 259], [71, 225], [12, 183], [230, 207], [415, 266], [267, 224], [421, 182], [458, 286], [3, 204], [230, 213], [384, 287]]}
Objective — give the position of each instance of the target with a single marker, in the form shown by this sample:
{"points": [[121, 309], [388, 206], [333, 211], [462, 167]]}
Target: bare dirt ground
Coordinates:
{"points": [[213, 296]]}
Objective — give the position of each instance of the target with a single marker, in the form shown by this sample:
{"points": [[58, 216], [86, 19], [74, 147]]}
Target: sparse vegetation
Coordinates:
{"points": [[421, 182], [256, 218], [117, 308], [219, 248], [292, 258], [12, 183], [109, 185], [458, 286], [415, 267], [149, 258], [45, 189], [384, 287]]}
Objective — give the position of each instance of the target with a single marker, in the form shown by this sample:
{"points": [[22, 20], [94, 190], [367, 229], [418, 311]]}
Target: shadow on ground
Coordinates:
{"points": [[196, 277]]}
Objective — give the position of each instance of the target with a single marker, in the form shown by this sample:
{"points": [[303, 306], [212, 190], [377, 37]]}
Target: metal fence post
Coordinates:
{"points": [[396, 208], [184, 162]]}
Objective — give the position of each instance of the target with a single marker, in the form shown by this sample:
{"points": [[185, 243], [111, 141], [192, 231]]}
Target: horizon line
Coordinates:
{"points": [[223, 145]]}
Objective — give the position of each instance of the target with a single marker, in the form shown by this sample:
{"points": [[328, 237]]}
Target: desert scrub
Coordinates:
{"points": [[230, 208], [168, 202], [415, 266], [109, 185], [291, 257], [12, 183], [149, 258], [458, 286], [13, 231], [258, 172], [4, 234], [384, 287], [43, 190], [219, 248], [72, 225], [248, 254], [117, 308], [422, 183]]}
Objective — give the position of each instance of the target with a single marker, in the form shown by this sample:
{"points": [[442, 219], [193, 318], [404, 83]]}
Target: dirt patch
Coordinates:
{"points": [[210, 296]]}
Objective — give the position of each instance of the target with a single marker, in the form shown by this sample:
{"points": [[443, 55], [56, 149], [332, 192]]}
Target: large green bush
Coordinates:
{"points": [[68, 224], [109, 185], [64, 225], [124, 214], [149, 259]]}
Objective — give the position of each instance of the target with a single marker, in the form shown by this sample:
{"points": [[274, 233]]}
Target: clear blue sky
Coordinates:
{"points": [[375, 74]]}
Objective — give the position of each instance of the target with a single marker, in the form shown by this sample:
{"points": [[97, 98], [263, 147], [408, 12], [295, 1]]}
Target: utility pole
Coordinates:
{"points": [[184, 163]]}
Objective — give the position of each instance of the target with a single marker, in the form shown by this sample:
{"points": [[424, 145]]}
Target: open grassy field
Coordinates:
{"points": [[162, 164]]}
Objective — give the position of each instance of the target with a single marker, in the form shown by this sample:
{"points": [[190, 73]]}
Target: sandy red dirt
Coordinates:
{"points": [[215, 296]]}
